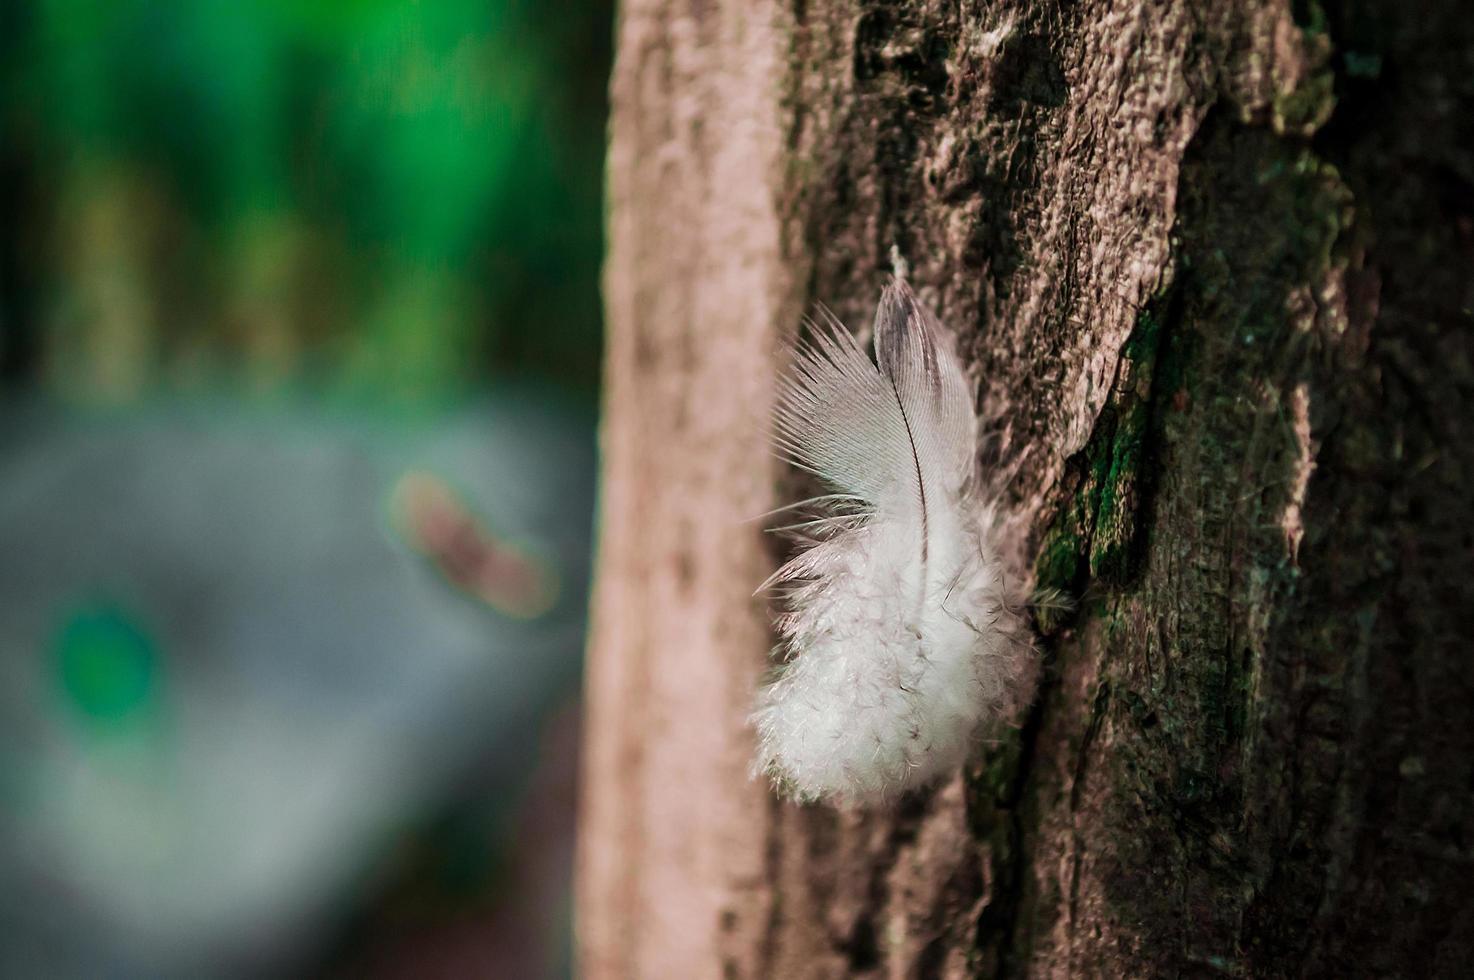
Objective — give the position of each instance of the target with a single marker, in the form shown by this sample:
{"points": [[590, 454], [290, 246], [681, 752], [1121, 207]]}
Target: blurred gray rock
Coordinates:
{"points": [[225, 676]]}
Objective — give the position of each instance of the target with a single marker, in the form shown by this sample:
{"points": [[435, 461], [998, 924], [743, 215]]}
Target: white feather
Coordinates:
{"points": [[899, 637]]}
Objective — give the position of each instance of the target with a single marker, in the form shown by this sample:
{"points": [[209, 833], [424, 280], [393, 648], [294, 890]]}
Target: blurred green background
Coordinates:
{"points": [[299, 349], [381, 199]]}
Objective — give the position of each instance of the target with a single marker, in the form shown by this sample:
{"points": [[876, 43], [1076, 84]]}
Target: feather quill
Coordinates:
{"points": [[900, 639]]}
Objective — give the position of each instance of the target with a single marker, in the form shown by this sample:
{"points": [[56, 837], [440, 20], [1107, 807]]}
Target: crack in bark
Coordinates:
{"points": [[997, 923], [861, 947]]}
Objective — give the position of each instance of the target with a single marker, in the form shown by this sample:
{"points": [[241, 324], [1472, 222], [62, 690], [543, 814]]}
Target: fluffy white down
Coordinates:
{"points": [[900, 640]]}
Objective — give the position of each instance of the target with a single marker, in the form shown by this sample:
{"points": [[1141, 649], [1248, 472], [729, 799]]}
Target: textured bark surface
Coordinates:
{"points": [[1214, 267]]}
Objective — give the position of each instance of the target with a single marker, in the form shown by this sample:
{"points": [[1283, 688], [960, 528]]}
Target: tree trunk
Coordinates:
{"points": [[1212, 266]]}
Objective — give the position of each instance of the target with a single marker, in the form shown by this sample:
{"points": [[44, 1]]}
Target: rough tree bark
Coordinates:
{"points": [[1212, 266]]}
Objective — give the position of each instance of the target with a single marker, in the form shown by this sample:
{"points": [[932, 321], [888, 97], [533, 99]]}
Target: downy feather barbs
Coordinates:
{"points": [[900, 637]]}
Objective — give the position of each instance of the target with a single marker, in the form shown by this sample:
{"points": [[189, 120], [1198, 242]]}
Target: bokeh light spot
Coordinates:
{"points": [[436, 522], [105, 662]]}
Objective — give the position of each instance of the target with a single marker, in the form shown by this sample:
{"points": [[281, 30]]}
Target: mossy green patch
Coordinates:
{"points": [[1112, 546], [1095, 534], [1304, 110]]}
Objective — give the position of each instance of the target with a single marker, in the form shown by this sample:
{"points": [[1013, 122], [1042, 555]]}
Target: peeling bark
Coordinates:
{"points": [[1212, 267]]}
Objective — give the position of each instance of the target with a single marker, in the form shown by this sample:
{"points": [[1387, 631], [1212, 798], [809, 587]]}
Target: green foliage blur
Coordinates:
{"points": [[385, 200]]}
